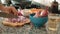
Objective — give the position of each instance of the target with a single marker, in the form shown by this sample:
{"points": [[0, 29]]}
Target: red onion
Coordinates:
{"points": [[44, 13], [10, 19], [37, 14], [18, 19], [14, 20], [19, 13], [22, 18]]}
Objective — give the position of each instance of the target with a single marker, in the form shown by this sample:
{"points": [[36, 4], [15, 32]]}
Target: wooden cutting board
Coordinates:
{"points": [[15, 24]]}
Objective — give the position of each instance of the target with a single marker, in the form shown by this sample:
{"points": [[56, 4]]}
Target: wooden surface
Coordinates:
{"points": [[16, 23]]}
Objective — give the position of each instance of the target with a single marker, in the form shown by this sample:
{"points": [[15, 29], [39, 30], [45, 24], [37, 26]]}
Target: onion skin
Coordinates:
{"points": [[14, 20], [19, 13], [41, 13], [44, 13], [37, 14]]}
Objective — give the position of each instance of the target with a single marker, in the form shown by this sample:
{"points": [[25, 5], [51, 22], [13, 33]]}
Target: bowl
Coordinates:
{"points": [[38, 22]]}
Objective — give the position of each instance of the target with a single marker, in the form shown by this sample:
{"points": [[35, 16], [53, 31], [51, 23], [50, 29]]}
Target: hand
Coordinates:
{"points": [[8, 10], [12, 10]]}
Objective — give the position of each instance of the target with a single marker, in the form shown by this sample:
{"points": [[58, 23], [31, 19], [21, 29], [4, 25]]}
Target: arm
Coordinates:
{"points": [[8, 9]]}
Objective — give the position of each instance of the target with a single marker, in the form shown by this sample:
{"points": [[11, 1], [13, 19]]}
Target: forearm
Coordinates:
{"points": [[13, 10], [2, 7], [8, 9]]}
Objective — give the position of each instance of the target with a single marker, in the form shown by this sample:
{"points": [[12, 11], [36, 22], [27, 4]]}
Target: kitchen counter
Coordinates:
{"points": [[17, 30], [23, 30]]}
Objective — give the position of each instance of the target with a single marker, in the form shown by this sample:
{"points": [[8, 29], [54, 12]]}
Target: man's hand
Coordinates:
{"points": [[9, 9]]}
